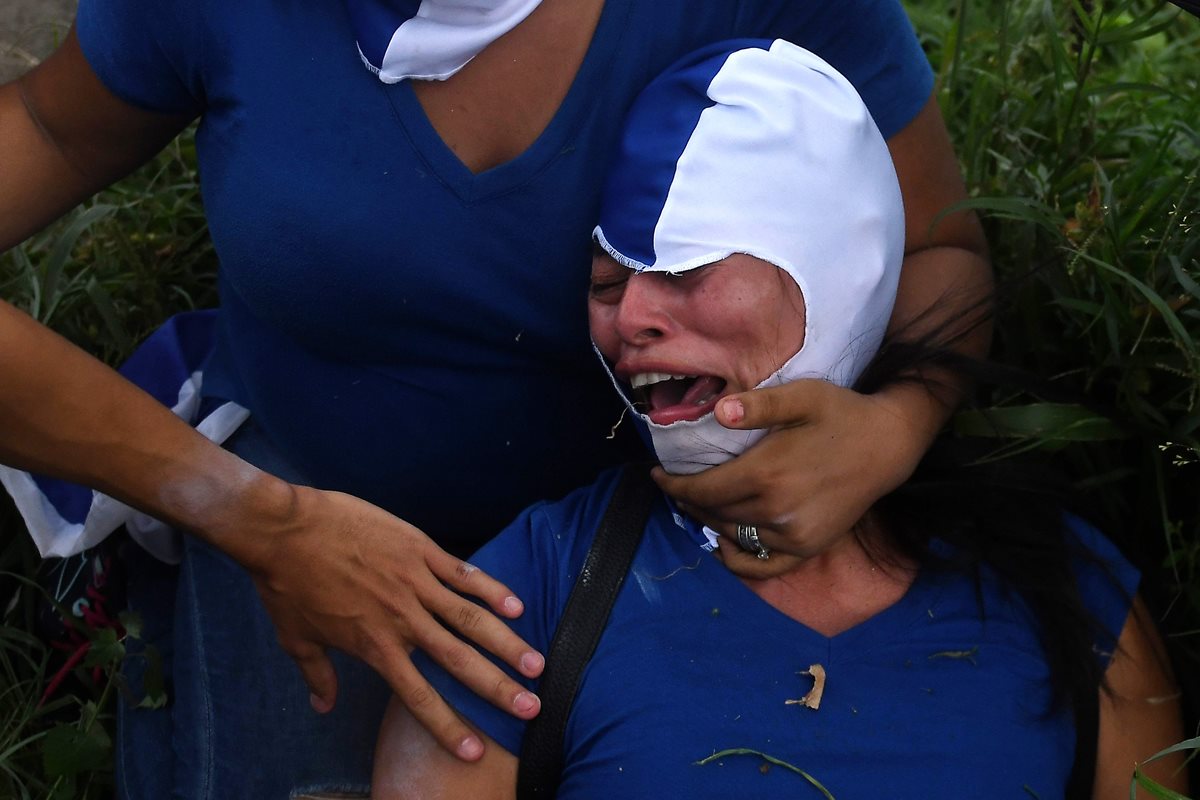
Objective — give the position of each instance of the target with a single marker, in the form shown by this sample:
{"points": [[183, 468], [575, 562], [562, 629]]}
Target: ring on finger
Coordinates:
{"points": [[747, 536]]}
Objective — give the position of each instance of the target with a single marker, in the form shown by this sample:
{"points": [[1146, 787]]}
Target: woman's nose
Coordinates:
{"points": [[643, 313]]}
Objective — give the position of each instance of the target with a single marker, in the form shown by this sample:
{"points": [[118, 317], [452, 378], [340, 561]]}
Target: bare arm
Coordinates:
{"points": [[332, 569], [823, 465], [64, 136], [409, 765], [1142, 716]]}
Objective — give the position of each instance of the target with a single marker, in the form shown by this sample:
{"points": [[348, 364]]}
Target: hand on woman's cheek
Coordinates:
{"points": [[831, 453]]}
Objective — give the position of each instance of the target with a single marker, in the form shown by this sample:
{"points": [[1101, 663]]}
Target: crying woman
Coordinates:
{"points": [[975, 641]]}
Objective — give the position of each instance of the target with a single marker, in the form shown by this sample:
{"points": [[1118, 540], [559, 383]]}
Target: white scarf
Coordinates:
{"points": [[432, 39]]}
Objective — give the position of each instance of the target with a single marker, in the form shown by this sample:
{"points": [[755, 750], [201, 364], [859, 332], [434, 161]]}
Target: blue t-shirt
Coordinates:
{"points": [[934, 696], [399, 327]]}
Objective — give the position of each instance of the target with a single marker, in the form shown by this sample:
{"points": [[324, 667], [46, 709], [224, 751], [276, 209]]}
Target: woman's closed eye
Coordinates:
{"points": [[608, 280], [607, 291]]}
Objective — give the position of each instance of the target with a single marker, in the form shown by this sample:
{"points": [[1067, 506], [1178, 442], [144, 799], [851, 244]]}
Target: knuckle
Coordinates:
{"points": [[420, 698], [465, 570], [775, 507], [760, 475], [468, 617], [370, 647], [457, 657]]}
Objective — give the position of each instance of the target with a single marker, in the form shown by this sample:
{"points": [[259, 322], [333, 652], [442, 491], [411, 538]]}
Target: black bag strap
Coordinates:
{"points": [[582, 624], [1087, 728]]}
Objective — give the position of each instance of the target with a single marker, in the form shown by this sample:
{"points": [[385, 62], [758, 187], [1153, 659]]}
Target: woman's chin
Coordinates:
{"points": [[750, 567]]}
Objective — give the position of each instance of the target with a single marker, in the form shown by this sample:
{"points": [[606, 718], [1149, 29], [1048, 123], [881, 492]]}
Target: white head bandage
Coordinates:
{"points": [[761, 148]]}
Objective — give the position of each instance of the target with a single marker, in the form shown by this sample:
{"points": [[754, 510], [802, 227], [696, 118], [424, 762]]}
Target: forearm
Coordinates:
{"points": [[945, 294], [64, 413], [946, 282]]}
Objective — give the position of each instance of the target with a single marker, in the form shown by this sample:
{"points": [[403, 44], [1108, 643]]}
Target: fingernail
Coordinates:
{"points": [[734, 410], [532, 663], [513, 606], [525, 702], [470, 748], [319, 705]]}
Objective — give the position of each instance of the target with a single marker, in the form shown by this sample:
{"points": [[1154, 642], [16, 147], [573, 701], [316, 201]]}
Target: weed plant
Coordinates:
{"points": [[104, 277], [1076, 124]]}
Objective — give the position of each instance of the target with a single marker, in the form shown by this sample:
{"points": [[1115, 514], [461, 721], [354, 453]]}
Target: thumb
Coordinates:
{"points": [[794, 403], [318, 672]]}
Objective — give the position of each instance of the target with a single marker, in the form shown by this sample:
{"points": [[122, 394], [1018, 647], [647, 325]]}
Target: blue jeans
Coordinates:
{"points": [[238, 723]]}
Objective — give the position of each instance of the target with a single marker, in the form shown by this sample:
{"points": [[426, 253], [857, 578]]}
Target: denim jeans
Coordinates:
{"points": [[238, 723]]}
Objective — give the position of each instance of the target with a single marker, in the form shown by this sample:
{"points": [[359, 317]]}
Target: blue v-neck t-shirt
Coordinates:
{"points": [[944, 693], [399, 327]]}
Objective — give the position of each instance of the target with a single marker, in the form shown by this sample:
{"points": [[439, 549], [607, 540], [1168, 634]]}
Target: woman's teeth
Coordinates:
{"points": [[649, 378], [658, 391]]}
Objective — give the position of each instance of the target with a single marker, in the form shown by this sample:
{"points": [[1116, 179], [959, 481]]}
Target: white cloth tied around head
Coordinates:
{"points": [[765, 149]]}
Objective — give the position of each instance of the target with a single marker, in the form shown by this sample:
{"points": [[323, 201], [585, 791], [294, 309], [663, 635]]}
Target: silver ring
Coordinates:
{"points": [[748, 540]]}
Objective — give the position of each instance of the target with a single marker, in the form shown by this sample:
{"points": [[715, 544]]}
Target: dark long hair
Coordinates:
{"points": [[1004, 514]]}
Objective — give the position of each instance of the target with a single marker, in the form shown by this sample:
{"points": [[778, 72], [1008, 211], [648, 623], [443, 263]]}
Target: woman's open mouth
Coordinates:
{"points": [[669, 398]]}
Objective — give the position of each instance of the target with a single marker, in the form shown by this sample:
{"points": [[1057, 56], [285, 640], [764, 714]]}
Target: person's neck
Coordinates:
{"points": [[841, 587]]}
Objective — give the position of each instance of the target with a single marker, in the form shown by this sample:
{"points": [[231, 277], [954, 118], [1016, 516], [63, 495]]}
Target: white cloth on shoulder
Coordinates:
{"points": [[64, 518], [430, 39]]}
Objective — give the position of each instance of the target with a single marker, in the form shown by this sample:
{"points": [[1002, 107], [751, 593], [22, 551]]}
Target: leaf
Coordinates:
{"points": [[56, 260], [1017, 208], [813, 698], [153, 684], [68, 751], [1152, 297], [131, 621], [742, 751], [1187, 744], [1185, 280], [1050, 422], [103, 303], [106, 650], [1154, 787], [64, 789]]}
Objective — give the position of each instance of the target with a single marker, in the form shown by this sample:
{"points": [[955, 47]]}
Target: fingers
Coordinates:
{"points": [[430, 710], [793, 404], [477, 625], [474, 622], [469, 579], [318, 673], [477, 673], [718, 487], [723, 519], [463, 662], [767, 537]]}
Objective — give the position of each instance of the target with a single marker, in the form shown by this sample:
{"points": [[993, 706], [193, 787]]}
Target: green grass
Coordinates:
{"points": [[105, 277], [1076, 123]]}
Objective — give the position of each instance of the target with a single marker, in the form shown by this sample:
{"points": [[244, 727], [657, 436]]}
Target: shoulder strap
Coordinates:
{"points": [[583, 622], [1087, 728]]}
